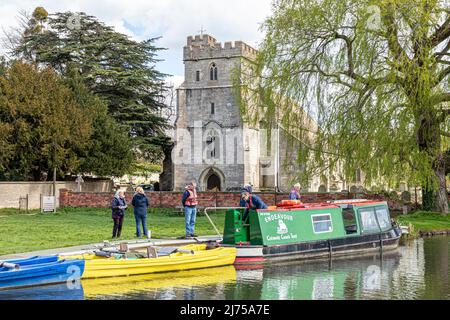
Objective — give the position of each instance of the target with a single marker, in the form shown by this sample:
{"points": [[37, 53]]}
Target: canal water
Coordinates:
{"points": [[419, 270]]}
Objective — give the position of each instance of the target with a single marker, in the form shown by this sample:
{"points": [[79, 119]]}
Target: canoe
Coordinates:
{"points": [[60, 271], [117, 266], [30, 261]]}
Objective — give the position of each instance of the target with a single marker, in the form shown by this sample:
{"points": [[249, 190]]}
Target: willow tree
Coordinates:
{"points": [[375, 75]]}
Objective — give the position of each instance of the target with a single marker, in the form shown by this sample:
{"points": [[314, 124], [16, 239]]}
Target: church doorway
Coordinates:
{"points": [[212, 179], [213, 183]]}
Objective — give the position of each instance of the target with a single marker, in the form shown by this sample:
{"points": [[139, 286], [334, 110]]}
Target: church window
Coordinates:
{"points": [[212, 108], [213, 72], [197, 75], [212, 142]]}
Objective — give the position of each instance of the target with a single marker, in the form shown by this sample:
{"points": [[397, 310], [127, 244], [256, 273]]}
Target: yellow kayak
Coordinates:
{"points": [[99, 267]]}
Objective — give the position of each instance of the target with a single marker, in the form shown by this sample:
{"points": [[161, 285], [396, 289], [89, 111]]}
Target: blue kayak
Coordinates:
{"points": [[30, 261], [69, 271]]}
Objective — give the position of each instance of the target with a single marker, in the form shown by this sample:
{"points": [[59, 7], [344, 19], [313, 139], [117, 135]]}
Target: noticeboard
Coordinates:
{"points": [[48, 204]]}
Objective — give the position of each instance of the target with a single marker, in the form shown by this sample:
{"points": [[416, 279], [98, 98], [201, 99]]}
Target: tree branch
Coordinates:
{"points": [[392, 35], [442, 33], [439, 98]]}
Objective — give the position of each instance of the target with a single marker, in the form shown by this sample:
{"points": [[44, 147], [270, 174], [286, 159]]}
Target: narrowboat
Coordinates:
{"points": [[294, 230]]}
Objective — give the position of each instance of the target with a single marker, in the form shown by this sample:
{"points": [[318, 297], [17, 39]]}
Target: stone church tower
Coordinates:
{"points": [[213, 146]]}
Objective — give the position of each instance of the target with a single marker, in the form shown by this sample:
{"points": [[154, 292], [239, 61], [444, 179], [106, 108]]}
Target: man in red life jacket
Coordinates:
{"points": [[189, 202]]}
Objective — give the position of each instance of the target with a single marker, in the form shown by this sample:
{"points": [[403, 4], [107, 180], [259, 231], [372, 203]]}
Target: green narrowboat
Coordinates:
{"points": [[315, 230]]}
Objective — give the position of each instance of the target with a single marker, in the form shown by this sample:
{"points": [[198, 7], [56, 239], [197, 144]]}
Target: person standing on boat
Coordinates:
{"points": [[295, 192], [140, 203], [118, 206], [190, 203], [250, 201]]}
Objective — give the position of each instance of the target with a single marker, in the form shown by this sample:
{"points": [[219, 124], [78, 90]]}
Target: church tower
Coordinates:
{"points": [[213, 145]]}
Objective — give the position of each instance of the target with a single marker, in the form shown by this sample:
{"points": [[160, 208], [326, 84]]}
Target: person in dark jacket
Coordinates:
{"points": [[189, 202], [250, 201], [118, 207], [140, 203]]}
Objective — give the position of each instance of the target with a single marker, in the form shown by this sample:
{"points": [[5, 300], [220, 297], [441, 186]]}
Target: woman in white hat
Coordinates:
{"points": [[295, 192]]}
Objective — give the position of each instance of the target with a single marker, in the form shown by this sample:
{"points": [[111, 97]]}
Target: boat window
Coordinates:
{"points": [[368, 219], [383, 218], [349, 218], [322, 223]]}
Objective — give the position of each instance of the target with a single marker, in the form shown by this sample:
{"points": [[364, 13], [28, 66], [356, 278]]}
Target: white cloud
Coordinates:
{"points": [[174, 20]]}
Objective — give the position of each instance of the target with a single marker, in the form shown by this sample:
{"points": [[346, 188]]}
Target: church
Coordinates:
{"points": [[212, 143]]}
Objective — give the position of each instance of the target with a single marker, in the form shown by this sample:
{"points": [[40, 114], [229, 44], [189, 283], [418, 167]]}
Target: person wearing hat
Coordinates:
{"points": [[250, 201], [295, 192]]}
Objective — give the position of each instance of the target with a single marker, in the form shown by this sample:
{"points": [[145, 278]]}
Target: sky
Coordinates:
{"points": [[173, 20]]}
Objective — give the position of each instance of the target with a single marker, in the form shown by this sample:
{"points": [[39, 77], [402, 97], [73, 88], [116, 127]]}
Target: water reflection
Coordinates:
{"points": [[50, 292], [418, 270]]}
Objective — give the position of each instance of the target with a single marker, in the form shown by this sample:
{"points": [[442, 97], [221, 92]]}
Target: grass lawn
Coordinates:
{"points": [[21, 232], [425, 221]]}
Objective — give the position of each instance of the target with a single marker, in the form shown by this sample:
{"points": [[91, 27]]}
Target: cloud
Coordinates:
{"points": [[174, 20]]}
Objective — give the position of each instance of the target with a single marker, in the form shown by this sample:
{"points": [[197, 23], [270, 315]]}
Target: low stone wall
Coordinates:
{"points": [[11, 192], [168, 199]]}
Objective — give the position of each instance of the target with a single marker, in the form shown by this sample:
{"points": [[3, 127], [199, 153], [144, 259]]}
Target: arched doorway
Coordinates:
{"points": [[212, 179], [213, 183]]}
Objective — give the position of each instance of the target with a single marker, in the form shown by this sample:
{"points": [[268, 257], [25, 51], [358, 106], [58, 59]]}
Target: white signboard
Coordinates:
{"points": [[48, 204]]}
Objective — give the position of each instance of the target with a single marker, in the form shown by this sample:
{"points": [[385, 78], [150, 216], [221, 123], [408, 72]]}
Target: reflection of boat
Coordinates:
{"points": [[17, 275], [124, 285], [191, 257], [49, 292], [316, 230], [356, 278]]}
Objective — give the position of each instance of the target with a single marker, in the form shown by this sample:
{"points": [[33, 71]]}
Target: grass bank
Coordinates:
{"points": [[424, 222], [21, 232]]}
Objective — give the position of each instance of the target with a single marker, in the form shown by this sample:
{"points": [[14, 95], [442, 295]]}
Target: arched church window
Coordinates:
{"points": [[212, 145], [213, 72]]}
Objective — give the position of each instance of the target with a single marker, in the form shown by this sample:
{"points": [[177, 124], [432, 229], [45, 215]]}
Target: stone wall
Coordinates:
{"points": [[167, 199], [11, 192]]}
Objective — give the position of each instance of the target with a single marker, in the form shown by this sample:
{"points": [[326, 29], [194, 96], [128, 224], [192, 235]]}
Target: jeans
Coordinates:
{"points": [[190, 215], [141, 218], [117, 228]]}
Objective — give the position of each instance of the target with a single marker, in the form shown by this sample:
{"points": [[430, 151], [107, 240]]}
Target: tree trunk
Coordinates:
{"points": [[441, 194]]}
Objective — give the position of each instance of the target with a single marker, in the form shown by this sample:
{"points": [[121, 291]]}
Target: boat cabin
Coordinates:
{"points": [[293, 222]]}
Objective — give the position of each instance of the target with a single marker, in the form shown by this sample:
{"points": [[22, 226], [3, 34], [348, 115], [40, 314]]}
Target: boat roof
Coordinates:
{"points": [[335, 204], [357, 202]]}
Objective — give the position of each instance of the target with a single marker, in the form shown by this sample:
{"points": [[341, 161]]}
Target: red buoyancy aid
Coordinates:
{"points": [[249, 203], [192, 199]]}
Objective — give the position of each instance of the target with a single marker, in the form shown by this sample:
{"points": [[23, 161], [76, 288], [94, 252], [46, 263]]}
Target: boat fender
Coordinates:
{"points": [[186, 251], [4, 264], [102, 254]]}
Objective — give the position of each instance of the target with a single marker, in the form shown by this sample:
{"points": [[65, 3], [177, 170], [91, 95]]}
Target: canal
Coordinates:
{"points": [[419, 270]]}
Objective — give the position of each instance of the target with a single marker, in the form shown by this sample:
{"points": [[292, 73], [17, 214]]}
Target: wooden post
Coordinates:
{"points": [[123, 247], [151, 252]]}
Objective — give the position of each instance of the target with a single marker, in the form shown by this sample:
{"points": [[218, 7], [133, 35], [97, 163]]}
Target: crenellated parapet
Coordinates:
{"points": [[206, 47]]}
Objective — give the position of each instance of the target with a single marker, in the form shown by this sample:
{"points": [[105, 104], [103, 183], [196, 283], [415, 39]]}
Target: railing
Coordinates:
{"points": [[218, 208]]}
